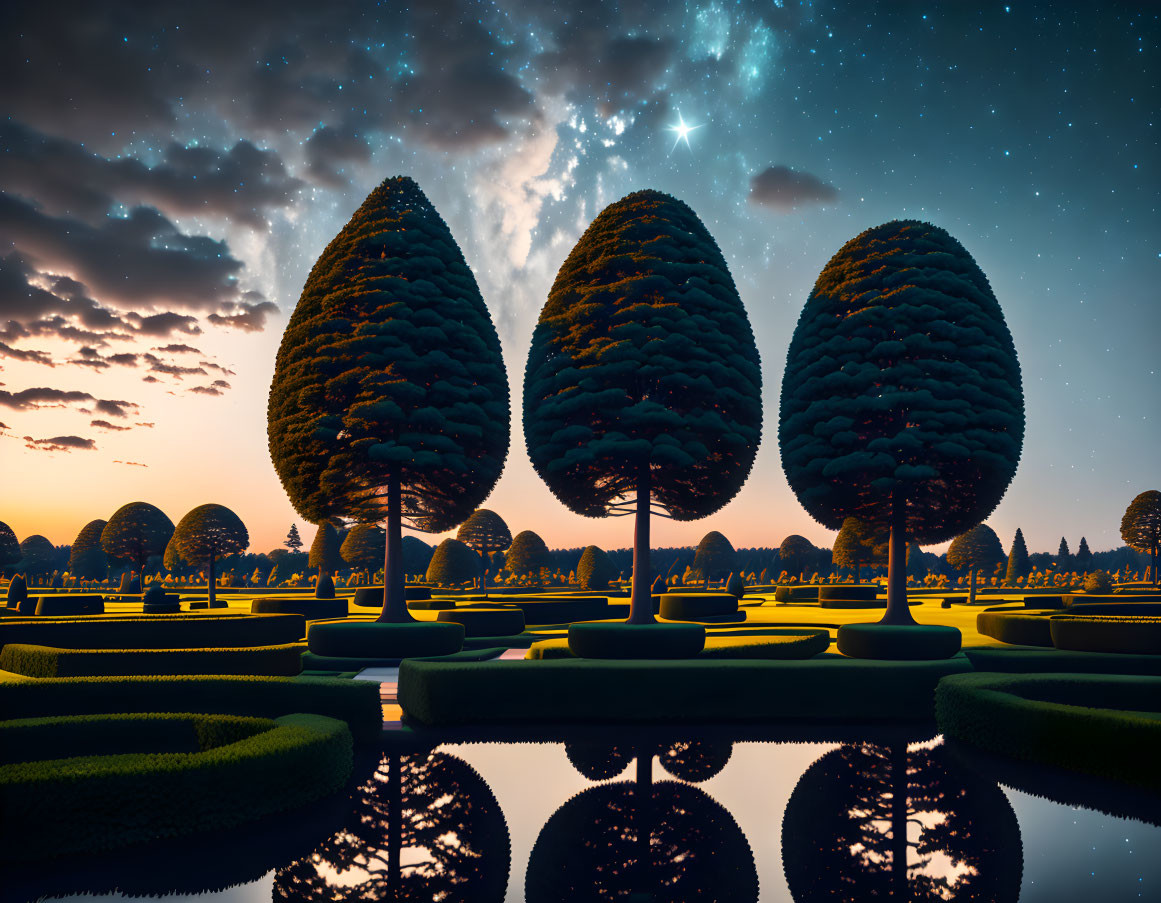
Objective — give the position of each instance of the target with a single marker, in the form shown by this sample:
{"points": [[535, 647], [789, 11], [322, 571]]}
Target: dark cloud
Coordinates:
{"points": [[106, 425], [593, 62], [330, 150], [68, 179], [60, 443], [209, 365], [150, 379], [26, 354], [165, 324], [207, 390], [157, 365], [250, 317], [146, 425], [784, 189], [41, 397], [132, 463], [116, 408], [178, 349]]}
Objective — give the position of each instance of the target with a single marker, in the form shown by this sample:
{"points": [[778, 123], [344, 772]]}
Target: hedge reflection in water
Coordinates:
{"points": [[862, 809], [425, 826]]}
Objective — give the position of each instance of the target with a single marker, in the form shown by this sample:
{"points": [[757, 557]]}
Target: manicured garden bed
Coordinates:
{"points": [[182, 631]]}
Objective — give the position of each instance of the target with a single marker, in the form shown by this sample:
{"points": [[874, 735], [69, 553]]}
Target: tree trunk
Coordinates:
{"points": [[641, 601], [898, 612], [394, 581], [972, 586], [213, 582]]}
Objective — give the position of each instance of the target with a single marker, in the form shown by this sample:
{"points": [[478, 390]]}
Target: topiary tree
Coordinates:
{"points": [[207, 533], [1141, 527], [856, 546], [714, 559], [453, 563], [901, 401], [797, 551], [643, 384], [390, 401], [87, 560], [416, 555], [37, 555], [1098, 582], [595, 569], [326, 550], [1083, 558], [1063, 557], [17, 592], [1018, 564], [736, 586], [364, 547], [486, 532], [9, 548], [528, 555], [977, 549], [135, 532]]}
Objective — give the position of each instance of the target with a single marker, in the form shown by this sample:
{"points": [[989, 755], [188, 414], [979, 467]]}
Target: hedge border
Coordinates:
{"points": [[62, 807], [484, 622], [1058, 719], [382, 639], [284, 660], [696, 606], [618, 640], [899, 643], [1107, 633], [178, 631], [1041, 660], [1016, 628], [310, 608]]}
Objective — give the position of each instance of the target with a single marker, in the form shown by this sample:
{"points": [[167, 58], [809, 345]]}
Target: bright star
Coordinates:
{"points": [[683, 131]]}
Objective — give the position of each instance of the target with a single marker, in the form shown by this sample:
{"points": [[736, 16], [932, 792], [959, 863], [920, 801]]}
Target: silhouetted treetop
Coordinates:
{"points": [[87, 559], [136, 531]]}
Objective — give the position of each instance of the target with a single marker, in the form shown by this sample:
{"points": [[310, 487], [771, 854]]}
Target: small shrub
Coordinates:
{"points": [[1098, 582]]}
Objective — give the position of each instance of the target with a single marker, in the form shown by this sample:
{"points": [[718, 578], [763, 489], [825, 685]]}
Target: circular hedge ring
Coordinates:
{"points": [[375, 639], [235, 770], [1099, 633], [485, 621], [1017, 628], [898, 643], [1103, 725], [604, 639]]}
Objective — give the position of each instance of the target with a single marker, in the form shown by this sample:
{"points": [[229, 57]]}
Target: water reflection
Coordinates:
{"points": [[641, 840], [870, 822], [424, 827]]}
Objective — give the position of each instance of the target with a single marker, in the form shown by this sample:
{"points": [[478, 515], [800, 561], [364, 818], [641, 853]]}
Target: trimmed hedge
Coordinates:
{"points": [[485, 621], [1017, 628], [1085, 598], [355, 702], [70, 605], [1042, 602], [345, 665], [796, 594], [372, 596], [181, 631], [381, 639], [164, 604], [431, 604], [51, 661], [1136, 609], [628, 692], [898, 643], [1036, 659], [310, 608], [858, 603], [618, 640], [1128, 636], [697, 606], [620, 610], [848, 592], [1088, 723], [91, 804], [797, 644], [562, 610]]}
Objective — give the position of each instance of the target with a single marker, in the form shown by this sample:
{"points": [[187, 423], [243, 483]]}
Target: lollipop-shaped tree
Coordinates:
{"points": [[643, 384]]}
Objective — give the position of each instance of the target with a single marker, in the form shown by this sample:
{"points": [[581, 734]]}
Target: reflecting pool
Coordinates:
{"points": [[638, 816]]}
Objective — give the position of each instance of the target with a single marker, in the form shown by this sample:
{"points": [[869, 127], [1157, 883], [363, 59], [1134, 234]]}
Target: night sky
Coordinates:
{"points": [[169, 173]]}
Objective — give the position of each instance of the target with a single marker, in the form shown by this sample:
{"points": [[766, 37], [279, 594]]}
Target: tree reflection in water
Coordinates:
{"points": [[862, 808], [639, 840], [424, 827]]}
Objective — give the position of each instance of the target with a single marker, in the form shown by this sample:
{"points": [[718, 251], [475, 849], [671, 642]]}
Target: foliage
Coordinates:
{"points": [[1098, 582], [364, 547], [452, 563], [697, 606], [293, 540], [9, 547], [325, 550], [380, 639], [1141, 526], [595, 569], [37, 555], [1083, 558], [485, 531], [390, 369], [618, 640], [135, 532], [899, 642], [1063, 556], [1018, 564], [416, 555], [901, 401], [207, 533], [87, 559], [977, 549], [796, 550], [715, 557], [527, 555], [857, 545]]}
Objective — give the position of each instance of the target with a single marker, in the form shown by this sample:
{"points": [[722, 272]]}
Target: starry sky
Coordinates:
{"points": [[170, 172]]}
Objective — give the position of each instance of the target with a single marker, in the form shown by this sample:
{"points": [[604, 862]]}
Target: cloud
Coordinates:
{"points": [[106, 425], [132, 463], [329, 150], [157, 365], [23, 354], [116, 408], [60, 443], [210, 365], [217, 387], [146, 425], [178, 349], [165, 324], [66, 178], [783, 189], [41, 397], [592, 61], [251, 317]]}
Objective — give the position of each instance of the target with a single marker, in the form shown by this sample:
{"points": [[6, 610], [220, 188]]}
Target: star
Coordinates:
{"points": [[682, 130]]}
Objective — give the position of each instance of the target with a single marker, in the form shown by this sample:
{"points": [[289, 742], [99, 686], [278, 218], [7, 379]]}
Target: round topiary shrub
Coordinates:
{"points": [[157, 601], [1098, 582], [381, 639], [697, 606], [899, 642], [616, 639], [485, 621]]}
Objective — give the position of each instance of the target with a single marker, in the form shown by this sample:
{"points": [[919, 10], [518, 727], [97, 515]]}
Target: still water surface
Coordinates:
{"points": [[648, 818]]}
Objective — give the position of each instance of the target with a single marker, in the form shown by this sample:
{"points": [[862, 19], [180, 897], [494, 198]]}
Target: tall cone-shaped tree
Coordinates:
{"points": [[978, 549], [485, 532], [87, 560], [1018, 564], [136, 531], [1141, 527], [1063, 556], [389, 402], [325, 550], [1083, 557], [643, 384], [207, 533], [595, 569], [901, 402]]}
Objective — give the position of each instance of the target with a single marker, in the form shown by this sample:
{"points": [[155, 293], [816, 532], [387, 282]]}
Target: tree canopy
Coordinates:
{"points": [[1141, 526], [87, 560], [9, 547], [485, 531], [595, 569], [979, 549], [715, 557], [858, 545], [1083, 557], [453, 562], [325, 550], [796, 550], [136, 531], [1018, 564], [364, 547], [207, 533], [527, 554], [293, 540], [37, 554], [902, 383]]}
